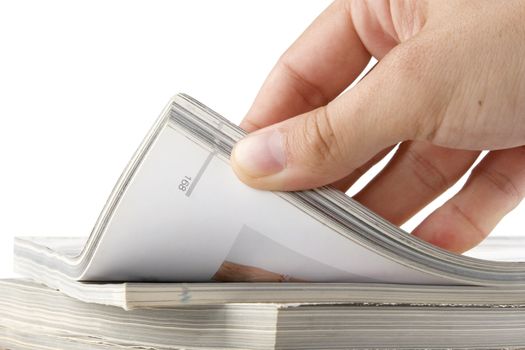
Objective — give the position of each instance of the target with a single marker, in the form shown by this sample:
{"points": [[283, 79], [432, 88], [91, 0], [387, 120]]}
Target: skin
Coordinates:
{"points": [[449, 83]]}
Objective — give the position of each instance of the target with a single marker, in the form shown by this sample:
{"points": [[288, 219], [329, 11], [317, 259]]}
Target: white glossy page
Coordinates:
{"points": [[186, 217]]}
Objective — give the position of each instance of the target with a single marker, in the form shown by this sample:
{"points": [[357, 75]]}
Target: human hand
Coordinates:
{"points": [[449, 83]]}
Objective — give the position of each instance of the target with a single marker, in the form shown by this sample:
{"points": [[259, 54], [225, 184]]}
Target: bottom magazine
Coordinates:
{"points": [[33, 316]]}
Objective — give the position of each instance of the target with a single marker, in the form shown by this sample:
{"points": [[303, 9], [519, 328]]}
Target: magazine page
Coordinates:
{"points": [[186, 217]]}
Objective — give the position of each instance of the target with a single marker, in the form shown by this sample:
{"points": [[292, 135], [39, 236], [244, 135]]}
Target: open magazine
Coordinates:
{"points": [[179, 214]]}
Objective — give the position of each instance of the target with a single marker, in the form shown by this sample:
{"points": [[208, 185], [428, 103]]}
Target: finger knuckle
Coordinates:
{"points": [[321, 141], [410, 59], [476, 232], [311, 93], [415, 65], [427, 172], [503, 183]]}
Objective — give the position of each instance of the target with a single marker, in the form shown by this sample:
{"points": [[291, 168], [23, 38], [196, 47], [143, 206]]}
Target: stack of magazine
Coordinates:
{"points": [[185, 256]]}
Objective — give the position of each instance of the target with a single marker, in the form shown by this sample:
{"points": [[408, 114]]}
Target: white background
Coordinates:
{"points": [[81, 83]]}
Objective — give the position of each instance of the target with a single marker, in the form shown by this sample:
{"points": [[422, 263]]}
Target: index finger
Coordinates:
{"points": [[322, 62]]}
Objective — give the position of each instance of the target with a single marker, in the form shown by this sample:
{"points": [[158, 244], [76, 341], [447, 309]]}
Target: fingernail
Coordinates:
{"points": [[260, 154]]}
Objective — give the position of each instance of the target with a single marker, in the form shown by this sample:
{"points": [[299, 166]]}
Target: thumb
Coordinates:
{"points": [[326, 144]]}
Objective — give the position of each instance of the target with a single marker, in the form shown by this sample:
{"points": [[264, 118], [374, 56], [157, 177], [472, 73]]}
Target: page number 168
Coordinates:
{"points": [[184, 183]]}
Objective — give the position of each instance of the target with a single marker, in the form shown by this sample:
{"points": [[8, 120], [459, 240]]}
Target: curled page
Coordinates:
{"points": [[179, 213]]}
